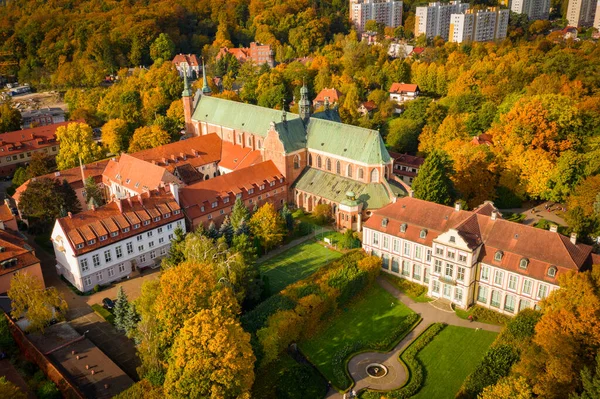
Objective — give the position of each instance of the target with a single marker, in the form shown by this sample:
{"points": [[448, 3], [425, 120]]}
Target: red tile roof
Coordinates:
{"points": [[190, 59], [235, 157], [118, 215], [417, 50], [542, 248], [31, 139], [482, 139], [241, 54], [332, 94], [14, 248], [403, 88], [136, 174], [227, 186], [406, 159], [369, 105]]}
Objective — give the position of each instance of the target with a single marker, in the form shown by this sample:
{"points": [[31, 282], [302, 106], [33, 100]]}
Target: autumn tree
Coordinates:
{"points": [[93, 193], [322, 213], [10, 118], [590, 379], [30, 299], [433, 182], [116, 135], [508, 388], [148, 137], [266, 225], [10, 390], [403, 135], [76, 145], [39, 165], [584, 195]]}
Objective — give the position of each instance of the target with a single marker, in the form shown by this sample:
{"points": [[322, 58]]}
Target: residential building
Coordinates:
{"points": [[16, 256], [327, 96], [187, 64], [257, 53], [406, 167], [535, 9], [479, 25], [16, 148], [569, 32], [472, 257], [482, 139], [212, 200], [402, 92], [400, 50], [434, 20], [386, 12], [581, 13], [105, 244], [42, 117], [8, 220], [367, 108]]}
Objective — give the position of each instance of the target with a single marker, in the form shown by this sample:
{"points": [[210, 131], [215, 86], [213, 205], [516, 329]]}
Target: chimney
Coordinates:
{"points": [[553, 228], [194, 152], [183, 156], [411, 194], [574, 238], [494, 215], [57, 174], [457, 206], [70, 215], [174, 188]]}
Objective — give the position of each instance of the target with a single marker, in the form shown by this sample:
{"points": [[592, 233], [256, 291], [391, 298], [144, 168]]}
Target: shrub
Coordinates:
{"points": [[97, 288], [300, 381], [105, 314], [257, 318], [7, 343], [349, 240], [322, 214], [506, 199], [413, 290], [48, 390]]}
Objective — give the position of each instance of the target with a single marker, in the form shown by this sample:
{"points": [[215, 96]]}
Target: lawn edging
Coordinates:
{"points": [[346, 353], [105, 314], [414, 368]]}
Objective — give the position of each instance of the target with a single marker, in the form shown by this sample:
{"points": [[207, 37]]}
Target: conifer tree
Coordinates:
{"points": [[286, 214], [239, 213], [243, 227], [212, 231], [226, 230], [433, 181], [93, 194], [175, 255], [121, 309], [131, 320], [69, 197]]}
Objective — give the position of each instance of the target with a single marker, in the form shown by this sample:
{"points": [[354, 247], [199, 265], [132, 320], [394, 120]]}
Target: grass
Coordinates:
{"points": [[105, 314], [295, 264], [414, 291], [370, 318], [452, 355], [483, 315]]}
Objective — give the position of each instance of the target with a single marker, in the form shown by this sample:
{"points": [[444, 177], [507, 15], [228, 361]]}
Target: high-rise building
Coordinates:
{"points": [[535, 9], [387, 12], [581, 12], [479, 25], [434, 20], [597, 18]]}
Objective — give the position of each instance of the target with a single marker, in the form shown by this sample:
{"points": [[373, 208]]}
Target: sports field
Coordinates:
{"points": [[296, 263]]}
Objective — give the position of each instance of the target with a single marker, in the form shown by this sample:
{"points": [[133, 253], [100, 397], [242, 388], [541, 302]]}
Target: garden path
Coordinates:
{"points": [[396, 376]]}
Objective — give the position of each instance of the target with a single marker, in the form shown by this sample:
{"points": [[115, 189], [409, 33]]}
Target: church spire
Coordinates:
{"points": [[187, 91], [304, 104], [205, 89]]}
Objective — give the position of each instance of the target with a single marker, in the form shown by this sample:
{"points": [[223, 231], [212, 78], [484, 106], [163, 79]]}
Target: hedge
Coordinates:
{"points": [[415, 368], [257, 318]]}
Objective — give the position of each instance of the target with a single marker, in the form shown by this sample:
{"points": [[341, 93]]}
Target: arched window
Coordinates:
{"points": [[349, 170], [259, 144], [552, 271], [498, 256], [310, 159], [239, 139], [297, 161], [374, 176], [328, 164], [338, 168], [318, 161], [250, 141], [361, 173], [523, 263]]}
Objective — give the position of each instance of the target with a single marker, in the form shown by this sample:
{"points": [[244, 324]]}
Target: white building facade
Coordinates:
{"points": [[107, 244], [455, 264], [387, 12], [581, 13], [479, 25], [535, 9], [434, 19]]}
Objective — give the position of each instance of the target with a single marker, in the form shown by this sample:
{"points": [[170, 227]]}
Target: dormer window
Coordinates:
{"points": [[523, 263], [103, 238], [552, 271], [498, 256], [136, 226], [166, 215], [251, 191], [423, 233], [79, 246], [156, 219], [126, 229], [91, 242], [225, 200], [114, 234], [146, 222], [262, 186], [403, 228], [384, 222], [176, 212]]}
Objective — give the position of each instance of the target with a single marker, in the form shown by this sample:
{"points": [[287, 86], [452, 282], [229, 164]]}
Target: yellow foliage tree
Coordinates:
{"points": [[76, 142], [508, 388], [148, 137], [115, 135], [267, 225], [10, 390]]}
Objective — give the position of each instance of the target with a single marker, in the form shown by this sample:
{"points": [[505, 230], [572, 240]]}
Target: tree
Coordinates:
{"points": [[585, 194], [581, 224], [45, 200], [10, 118], [266, 225], [238, 214], [212, 357], [226, 231], [93, 193], [20, 177], [76, 144], [286, 215], [175, 255], [10, 390], [70, 202], [162, 48], [31, 300], [433, 181], [116, 135], [567, 173], [148, 137], [121, 309], [590, 379], [38, 165], [322, 213], [403, 135], [508, 388]]}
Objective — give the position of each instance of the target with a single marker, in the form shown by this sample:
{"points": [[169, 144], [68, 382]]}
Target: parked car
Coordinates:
{"points": [[108, 303]]}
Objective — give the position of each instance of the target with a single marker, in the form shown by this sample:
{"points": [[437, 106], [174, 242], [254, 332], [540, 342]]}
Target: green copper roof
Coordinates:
{"points": [[334, 188], [348, 141], [253, 119]]}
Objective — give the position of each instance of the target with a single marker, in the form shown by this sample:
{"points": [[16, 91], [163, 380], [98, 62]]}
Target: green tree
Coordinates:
{"points": [[175, 255], [70, 202], [45, 200], [580, 223], [226, 230], [116, 135], [76, 144], [433, 181], [286, 214], [32, 300], [20, 177], [403, 135], [266, 225], [148, 137], [38, 165], [10, 390], [10, 118], [93, 193], [238, 214], [590, 379], [162, 48], [567, 173], [121, 309]]}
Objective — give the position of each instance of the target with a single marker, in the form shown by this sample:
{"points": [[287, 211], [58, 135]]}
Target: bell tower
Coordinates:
{"points": [[188, 104], [304, 105]]}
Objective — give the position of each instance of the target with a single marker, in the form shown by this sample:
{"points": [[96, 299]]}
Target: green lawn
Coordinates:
{"points": [[452, 355], [369, 319], [295, 264]]}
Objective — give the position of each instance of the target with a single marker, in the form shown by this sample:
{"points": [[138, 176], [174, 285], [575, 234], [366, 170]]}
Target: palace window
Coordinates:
{"points": [[129, 248], [318, 161], [96, 260], [405, 268], [338, 168], [552, 271], [426, 276], [498, 277], [449, 270], [395, 265], [482, 295], [460, 274], [349, 170], [542, 291], [385, 261], [509, 303], [297, 162], [524, 304], [84, 265], [417, 272], [458, 294], [374, 176], [438, 266], [107, 256], [512, 282], [406, 248], [403, 227], [436, 286], [328, 164], [423, 233], [527, 284], [396, 246], [485, 273], [361, 173], [523, 263], [386, 242], [375, 238], [496, 297], [418, 251]]}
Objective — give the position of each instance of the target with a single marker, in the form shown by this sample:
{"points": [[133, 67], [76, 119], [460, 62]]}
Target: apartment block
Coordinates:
{"points": [[479, 25], [387, 12], [434, 19], [581, 12], [535, 9]]}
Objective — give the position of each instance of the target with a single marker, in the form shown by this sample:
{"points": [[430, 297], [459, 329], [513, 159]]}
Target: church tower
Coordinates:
{"points": [[304, 105], [205, 89], [188, 104]]}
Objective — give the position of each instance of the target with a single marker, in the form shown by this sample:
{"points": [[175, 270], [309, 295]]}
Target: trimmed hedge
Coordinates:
{"points": [[414, 365], [257, 318]]}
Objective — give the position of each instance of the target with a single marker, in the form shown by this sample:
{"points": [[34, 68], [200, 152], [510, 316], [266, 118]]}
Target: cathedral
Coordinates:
{"points": [[319, 159]]}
